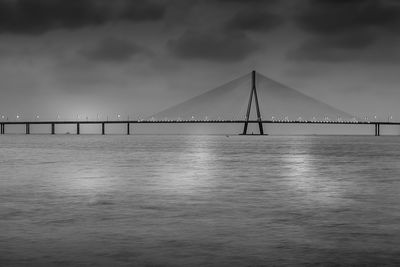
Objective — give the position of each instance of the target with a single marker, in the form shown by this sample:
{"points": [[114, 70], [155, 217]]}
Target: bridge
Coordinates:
{"points": [[208, 106]]}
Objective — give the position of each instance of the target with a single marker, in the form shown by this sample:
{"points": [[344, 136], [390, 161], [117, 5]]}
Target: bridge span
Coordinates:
{"points": [[210, 104], [128, 123]]}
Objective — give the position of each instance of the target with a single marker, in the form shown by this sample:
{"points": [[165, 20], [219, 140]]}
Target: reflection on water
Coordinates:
{"points": [[303, 175], [189, 171], [91, 179], [199, 200]]}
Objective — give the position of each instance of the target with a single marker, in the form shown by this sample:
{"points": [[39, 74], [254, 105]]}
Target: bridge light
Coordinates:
{"points": [[17, 117], [2, 116]]}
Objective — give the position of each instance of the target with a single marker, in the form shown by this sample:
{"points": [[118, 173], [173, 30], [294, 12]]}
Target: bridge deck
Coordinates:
{"points": [[27, 124], [197, 121]]}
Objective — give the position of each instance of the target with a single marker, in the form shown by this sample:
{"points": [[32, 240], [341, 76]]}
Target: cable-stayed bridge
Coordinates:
{"points": [[250, 99]]}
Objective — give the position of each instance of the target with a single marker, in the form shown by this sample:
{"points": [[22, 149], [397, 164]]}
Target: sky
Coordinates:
{"points": [[91, 58]]}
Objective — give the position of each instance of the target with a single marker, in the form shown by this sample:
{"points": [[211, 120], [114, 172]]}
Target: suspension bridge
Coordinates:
{"points": [[246, 100]]}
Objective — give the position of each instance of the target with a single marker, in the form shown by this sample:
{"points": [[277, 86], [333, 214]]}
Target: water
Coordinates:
{"points": [[199, 200]]}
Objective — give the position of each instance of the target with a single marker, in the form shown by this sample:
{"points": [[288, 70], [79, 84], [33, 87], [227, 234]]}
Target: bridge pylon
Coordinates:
{"points": [[253, 91]]}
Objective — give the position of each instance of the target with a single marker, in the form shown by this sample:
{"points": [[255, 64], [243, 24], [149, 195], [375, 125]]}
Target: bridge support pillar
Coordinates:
{"points": [[53, 128], [78, 128], [128, 129], [377, 129], [2, 128], [27, 128], [253, 92], [103, 128]]}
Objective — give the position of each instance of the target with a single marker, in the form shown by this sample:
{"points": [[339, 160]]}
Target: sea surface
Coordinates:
{"points": [[179, 200]]}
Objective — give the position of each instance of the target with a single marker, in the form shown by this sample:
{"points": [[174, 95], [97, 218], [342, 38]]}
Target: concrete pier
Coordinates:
{"points": [[377, 129]]}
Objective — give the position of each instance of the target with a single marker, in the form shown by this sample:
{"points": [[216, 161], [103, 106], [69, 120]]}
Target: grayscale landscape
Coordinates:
{"points": [[199, 133]]}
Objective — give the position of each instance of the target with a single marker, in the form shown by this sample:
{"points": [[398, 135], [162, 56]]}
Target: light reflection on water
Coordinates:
{"points": [[198, 160], [304, 177], [199, 200]]}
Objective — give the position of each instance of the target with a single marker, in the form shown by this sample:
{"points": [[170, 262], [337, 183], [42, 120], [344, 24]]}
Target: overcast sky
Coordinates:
{"points": [[138, 57]]}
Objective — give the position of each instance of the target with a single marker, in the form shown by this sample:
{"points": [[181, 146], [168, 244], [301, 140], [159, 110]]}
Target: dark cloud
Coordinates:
{"points": [[212, 46], [142, 10], [249, 2], [331, 16], [39, 16], [317, 50], [254, 20], [339, 28], [334, 48], [112, 50]]}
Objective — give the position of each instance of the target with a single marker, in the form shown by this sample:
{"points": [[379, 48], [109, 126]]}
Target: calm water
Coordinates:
{"points": [[199, 200]]}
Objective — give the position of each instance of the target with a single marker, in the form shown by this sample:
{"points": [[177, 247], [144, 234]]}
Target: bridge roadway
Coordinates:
{"points": [[27, 124]]}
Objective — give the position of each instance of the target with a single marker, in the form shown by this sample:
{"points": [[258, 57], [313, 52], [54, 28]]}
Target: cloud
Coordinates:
{"points": [[112, 50], [327, 17], [143, 10], [315, 50], [247, 2], [254, 20], [40, 16], [212, 46], [340, 29], [334, 48]]}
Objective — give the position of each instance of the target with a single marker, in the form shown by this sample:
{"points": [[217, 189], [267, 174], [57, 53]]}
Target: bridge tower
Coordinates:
{"points": [[253, 91]]}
